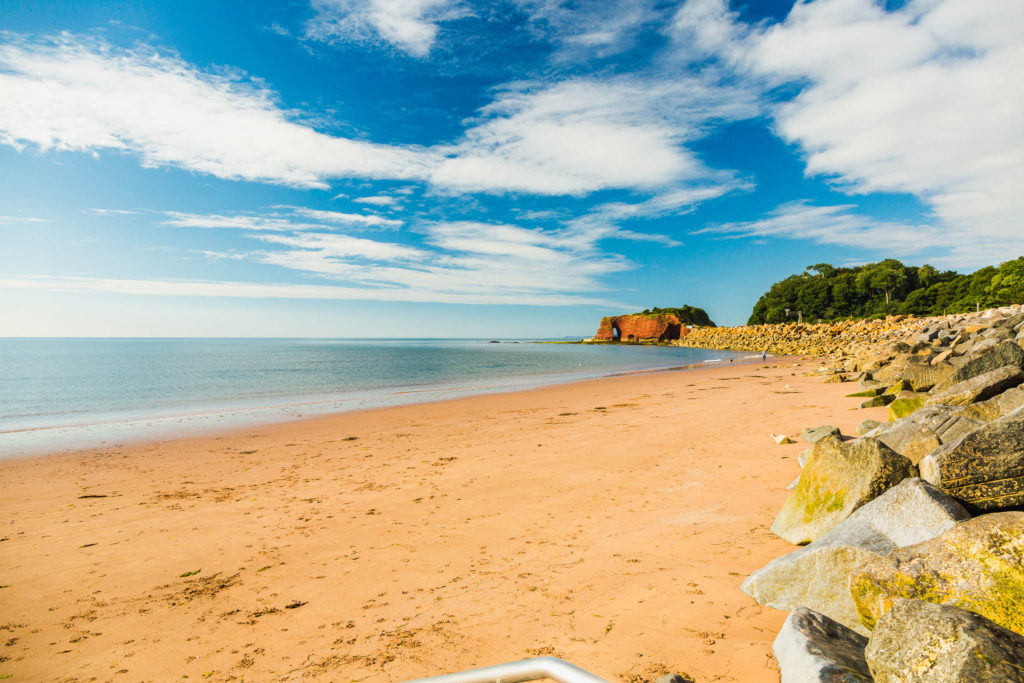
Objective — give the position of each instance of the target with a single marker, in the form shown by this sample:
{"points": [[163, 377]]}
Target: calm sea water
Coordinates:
{"points": [[60, 394]]}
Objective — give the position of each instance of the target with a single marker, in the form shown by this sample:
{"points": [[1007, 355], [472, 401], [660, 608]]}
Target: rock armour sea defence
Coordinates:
{"points": [[977, 565], [937, 608], [817, 575], [837, 479]]}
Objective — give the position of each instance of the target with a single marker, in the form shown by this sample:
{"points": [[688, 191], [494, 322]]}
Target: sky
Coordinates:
{"points": [[507, 169]]}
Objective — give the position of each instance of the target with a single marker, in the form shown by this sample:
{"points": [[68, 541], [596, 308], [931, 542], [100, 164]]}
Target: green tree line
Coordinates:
{"points": [[888, 287], [688, 315]]}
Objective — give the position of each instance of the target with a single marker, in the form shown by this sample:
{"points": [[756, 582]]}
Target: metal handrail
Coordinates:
{"points": [[515, 672]]}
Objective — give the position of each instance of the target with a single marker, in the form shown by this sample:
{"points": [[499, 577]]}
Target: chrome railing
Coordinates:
{"points": [[515, 672]]}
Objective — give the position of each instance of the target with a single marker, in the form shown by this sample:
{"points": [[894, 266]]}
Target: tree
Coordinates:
{"points": [[885, 277]]}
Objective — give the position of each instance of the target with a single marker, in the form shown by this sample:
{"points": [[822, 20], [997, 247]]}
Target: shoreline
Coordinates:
{"points": [[608, 521], [144, 429]]}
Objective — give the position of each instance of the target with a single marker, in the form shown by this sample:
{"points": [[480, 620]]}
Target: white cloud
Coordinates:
{"points": [[926, 100], [462, 261], [591, 28], [584, 135], [377, 200], [571, 137], [251, 290], [365, 220], [280, 218], [111, 212], [344, 246], [23, 219], [838, 224], [410, 25], [82, 96]]}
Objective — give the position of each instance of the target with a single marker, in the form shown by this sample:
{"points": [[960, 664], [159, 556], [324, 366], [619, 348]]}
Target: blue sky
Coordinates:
{"points": [[499, 169]]}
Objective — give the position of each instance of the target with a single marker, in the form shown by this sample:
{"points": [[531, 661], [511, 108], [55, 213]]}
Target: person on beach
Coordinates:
{"points": [[764, 355]]}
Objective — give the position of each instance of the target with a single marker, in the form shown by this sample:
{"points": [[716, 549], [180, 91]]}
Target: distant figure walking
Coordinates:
{"points": [[764, 355]]}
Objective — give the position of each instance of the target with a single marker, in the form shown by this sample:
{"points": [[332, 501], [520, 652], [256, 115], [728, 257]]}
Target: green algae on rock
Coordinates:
{"points": [[902, 407], [977, 565], [838, 478], [918, 641]]}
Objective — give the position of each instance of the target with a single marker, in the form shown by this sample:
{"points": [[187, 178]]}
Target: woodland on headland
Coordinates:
{"points": [[825, 292]]}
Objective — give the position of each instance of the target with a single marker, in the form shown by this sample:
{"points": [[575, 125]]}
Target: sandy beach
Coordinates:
{"points": [[607, 522]]}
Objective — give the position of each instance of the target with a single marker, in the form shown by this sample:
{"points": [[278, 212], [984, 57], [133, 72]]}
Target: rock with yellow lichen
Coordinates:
{"points": [[977, 565], [838, 478]]}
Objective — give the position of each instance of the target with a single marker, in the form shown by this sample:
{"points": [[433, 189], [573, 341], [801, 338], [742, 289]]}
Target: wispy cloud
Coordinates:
{"points": [[377, 200], [447, 261], [82, 95], [358, 219], [24, 219], [410, 25], [112, 212], [571, 137], [584, 135], [280, 218], [925, 99], [591, 28], [252, 290], [836, 224]]}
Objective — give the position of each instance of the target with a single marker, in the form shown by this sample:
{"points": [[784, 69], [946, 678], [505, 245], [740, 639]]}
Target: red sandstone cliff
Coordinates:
{"points": [[640, 327]]}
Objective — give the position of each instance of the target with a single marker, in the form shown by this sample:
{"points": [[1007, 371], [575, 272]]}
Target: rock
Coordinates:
{"points": [[640, 327], [999, 355], [924, 377], [902, 385], [903, 407], [817, 575], [811, 647], [976, 565], [803, 456], [942, 357], [921, 641], [838, 478], [791, 486], [997, 406], [816, 434], [781, 438], [948, 423], [837, 379], [910, 439], [980, 387], [985, 468], [878, 401], [866, 426], [673, 678]]}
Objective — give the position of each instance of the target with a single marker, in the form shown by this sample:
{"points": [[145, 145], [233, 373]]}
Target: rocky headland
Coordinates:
{"points": [[639, 327], [909, 563]]}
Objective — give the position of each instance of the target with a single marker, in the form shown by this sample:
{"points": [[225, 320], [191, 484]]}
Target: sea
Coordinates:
{"points": [[67, 394]]}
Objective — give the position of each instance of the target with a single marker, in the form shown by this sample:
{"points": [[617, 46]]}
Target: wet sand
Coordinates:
{"points": [[607, 522]]}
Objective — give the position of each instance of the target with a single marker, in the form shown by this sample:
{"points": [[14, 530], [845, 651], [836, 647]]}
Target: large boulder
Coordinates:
{"points": [[816, 434], [817, 575], [920, 642], [997, 406], [980, 387], [985, 468], [812, 648], [910, 439], [1000, 354], [838, 478], [903, 407], [922, 377], [949, 423], [977, 565]]}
